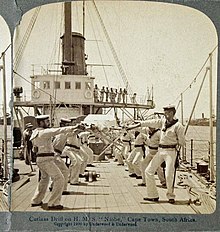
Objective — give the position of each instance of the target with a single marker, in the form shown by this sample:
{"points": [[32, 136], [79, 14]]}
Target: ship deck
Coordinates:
{"points": [[113, 192]]}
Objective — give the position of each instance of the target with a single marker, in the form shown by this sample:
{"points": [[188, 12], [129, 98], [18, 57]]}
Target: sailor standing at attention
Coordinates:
{"points": [[42, 142], [172, 138]]}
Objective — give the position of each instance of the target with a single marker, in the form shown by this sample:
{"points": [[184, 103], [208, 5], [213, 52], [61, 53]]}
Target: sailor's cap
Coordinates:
{"points": [[28, 125], [42, 117], [65, 120], [169, 107]]}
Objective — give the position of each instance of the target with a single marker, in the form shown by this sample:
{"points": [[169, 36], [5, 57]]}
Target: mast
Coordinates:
{"points": [[73, 62], [67, 39], [68, 31], [5, 160], [83, 18], [197, 97], [182, 120], [211, 122], [182, 109]]}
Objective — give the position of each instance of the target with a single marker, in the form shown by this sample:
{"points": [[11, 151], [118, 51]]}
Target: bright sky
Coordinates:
{"points": [[4, 42], [158, 44]]}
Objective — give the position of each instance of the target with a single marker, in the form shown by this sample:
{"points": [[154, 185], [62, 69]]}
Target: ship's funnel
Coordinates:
{"points": [[75, 66]]}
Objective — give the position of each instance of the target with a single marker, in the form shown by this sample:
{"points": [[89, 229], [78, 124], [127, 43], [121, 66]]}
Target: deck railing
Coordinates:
{"points": [[197, 150]]}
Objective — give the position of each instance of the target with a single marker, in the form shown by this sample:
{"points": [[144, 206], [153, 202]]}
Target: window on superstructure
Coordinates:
{"points": [[88, 85], [46, 85], [56, 85], [78, 85], [67, 85], [36, 84]]}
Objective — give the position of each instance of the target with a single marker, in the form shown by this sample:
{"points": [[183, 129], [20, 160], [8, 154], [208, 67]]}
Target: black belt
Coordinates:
{"points": [[57, 151], [45, 154], [153, 148], [126, 141], [71, 145], [167, 146], [143, 148], [142, 145]]}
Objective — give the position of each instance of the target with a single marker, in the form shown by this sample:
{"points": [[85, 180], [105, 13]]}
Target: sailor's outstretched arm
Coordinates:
{"points": [[154, 123], [133, 126], [50, 132]]}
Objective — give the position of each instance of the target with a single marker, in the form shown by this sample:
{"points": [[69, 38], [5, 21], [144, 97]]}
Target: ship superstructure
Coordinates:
{"points": [[69, 91]]}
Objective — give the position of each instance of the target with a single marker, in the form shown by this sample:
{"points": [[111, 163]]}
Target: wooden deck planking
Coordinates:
{"points": [[114, 191], [3, 202], [19, 198]]}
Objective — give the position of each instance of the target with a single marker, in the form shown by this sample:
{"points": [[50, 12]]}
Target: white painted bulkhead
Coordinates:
{"points": [[62, 89]]}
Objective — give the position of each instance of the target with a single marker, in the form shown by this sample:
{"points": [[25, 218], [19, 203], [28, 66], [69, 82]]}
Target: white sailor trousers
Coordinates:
{"points": [[126, 150], [129, 161], [63, 168], [76, 163], [137, 160], [85, 157], [90, 153], [118, 155], [145, 162], [48, 169], [169, 156]]}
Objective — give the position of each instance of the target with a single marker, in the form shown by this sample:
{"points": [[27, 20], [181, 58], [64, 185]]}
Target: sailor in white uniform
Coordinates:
{"points": [[42, 141], [127, 139], [138, 153], [72, 150], [152, 143], [172, 138], [59, 143], [84, 136]]}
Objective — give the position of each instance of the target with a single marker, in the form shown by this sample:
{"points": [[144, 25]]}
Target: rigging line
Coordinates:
{"points": [[27, 34], [118, 63], [57, 32], [116, 74], [34, 85], [199, 71], [5, 51], [114, 69], [77, 15], [187, 125], [59, 50], [98, 48]]}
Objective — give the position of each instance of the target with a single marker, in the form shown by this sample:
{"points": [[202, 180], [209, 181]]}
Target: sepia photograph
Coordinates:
{"points": [[115, 109], [109, 115]]}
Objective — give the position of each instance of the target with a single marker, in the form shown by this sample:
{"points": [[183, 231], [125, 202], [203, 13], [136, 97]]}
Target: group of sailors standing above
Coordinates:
{"points": [[106, 94], [142, 146]]}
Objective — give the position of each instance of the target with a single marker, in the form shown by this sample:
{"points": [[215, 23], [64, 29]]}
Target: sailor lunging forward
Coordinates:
{"points": [[42, 141], [172, 138]]}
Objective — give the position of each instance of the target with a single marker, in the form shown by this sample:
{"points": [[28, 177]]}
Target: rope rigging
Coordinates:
{"points": [[195, 78], [53, 101], [118, 63], [24, 40], [98, 49]]}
